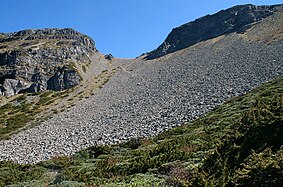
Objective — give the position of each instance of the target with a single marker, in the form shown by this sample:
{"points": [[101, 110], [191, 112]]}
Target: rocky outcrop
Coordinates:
{"points": [[50, 34], [9, 58], [64, 78], [235, 19], [38, 84], [12, 87], [36, 56]]}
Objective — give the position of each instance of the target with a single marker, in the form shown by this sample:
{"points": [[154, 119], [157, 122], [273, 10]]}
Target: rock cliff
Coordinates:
{"points": [[235, 19], [36, 60]]}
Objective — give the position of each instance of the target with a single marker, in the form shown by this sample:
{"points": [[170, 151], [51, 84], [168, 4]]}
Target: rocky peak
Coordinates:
{"points": [[235, 19], [49, 34], [35, 56]]}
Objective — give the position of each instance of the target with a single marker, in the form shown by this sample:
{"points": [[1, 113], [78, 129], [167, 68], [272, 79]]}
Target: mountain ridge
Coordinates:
{"points": [[236, 19]]}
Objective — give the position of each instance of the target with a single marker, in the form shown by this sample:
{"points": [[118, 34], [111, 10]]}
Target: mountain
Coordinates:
{"points": [[42, 59], [236, 19], [193, 90]]}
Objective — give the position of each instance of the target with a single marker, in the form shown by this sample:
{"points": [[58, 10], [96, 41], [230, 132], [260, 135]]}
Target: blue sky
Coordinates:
{"points": [[125, 28]]}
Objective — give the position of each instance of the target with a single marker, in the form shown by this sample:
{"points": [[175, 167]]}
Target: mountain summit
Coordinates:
{"points": [[235, 19]]}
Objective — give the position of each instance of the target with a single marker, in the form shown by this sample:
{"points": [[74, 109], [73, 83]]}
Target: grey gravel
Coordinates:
{"points": [[145, 98]]}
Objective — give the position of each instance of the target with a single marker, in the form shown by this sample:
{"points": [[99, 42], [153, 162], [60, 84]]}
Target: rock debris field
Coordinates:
{"points": [[145, 98]]}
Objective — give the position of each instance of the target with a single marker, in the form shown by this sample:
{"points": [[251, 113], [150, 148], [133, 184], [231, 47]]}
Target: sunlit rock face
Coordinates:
{"points": [[37, 57]]}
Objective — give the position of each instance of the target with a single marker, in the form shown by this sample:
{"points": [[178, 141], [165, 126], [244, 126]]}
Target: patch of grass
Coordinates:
{"points": [[11, 172], [14, 117]]}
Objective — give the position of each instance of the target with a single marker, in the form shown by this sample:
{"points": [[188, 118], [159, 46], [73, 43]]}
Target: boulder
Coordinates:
{"points": [[13, 86], [108, 57], [64, 78], [39, 83]]}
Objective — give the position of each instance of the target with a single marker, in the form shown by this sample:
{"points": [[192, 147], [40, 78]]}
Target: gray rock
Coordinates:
{"points": [[12, 87], [9, 58], [63, 79], [108, 57], [38, 84]]}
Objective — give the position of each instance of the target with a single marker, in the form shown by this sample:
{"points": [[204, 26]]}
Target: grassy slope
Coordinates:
{"points": [[18, 112], [27, 109], [238, 143]]}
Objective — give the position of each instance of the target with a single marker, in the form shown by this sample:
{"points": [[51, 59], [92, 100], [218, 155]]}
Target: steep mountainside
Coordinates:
{"points": [[35, 63], [237, 144], [63, 105], [44, 59], [235, 19], [141, 98]]}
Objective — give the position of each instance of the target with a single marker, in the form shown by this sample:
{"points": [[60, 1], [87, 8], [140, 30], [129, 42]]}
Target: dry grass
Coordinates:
{"points": [[268, 31]]}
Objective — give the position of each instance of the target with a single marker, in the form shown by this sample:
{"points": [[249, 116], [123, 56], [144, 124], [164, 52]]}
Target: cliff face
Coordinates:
{"points": [[36, 60], [235, 19]]}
